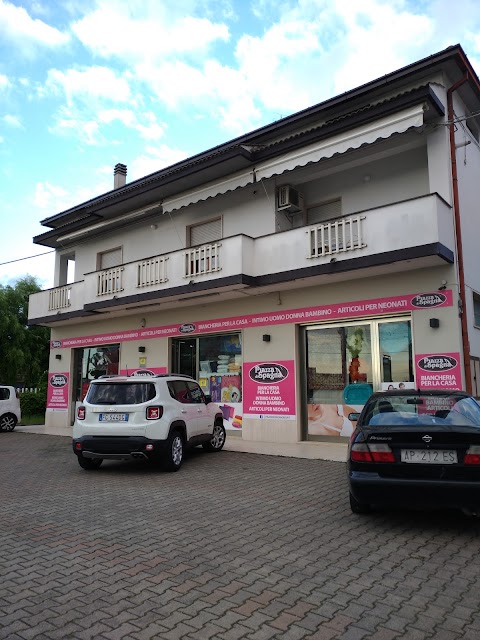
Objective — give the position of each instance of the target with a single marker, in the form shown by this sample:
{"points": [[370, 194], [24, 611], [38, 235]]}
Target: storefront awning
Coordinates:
{"points": [[353, 139], [210, 190]]}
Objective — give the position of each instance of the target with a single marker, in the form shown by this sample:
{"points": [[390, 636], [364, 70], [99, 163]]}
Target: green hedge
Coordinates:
{"points": [[33, 404]]}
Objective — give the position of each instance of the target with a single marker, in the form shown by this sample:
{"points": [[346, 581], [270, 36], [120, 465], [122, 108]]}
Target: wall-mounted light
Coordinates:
{"points": [[141, 349], [143, 322], [367, 178], [58, 356], [434, 323], [266, 337]]}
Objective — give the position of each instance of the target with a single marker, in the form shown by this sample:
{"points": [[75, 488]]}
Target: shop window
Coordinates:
{"points": [[346, 363], [476, 309], [91, 363]]}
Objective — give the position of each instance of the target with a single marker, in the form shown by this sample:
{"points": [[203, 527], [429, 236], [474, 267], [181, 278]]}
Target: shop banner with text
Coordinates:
{"points": [[438, 371], [378, 306], [58, 391], [269, 389]]}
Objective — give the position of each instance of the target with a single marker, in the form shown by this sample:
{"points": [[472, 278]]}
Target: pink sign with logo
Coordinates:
{"points": [[438, 371], [269, 389], [57, 391]]}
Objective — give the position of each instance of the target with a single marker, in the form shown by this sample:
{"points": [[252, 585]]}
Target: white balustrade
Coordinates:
{"points": [[152, 271], [202, 260], [336, 236], [109, 281], [59, 298]]}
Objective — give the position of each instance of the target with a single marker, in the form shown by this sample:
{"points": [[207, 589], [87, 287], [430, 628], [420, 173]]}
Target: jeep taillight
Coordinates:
{"points": [[81, 413], [154, 413], [362, 452]]}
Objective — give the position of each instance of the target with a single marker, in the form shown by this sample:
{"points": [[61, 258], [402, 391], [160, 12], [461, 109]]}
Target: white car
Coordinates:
{"points": [[10, 413], [149, 418]]}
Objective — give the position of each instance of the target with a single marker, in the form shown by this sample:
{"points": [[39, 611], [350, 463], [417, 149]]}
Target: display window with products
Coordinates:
{"points": [[216, 361], [91, 363], [345, 363]]}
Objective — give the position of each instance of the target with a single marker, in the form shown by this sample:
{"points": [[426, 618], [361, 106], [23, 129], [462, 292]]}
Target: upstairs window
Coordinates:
{"points": [[109, 259], [318, 213], [205, 232]]}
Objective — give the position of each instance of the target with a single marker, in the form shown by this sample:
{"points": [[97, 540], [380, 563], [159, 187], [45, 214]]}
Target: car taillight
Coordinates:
{"points": [[472, 456], [371, 453], [81, 413], [154, 413]]}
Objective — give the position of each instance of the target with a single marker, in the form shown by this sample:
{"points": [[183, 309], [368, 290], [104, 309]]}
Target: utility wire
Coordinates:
{"points": [[27, 257]]}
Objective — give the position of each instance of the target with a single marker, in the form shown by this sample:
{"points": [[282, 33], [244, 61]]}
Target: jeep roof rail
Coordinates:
{"points": [[173, 375]]}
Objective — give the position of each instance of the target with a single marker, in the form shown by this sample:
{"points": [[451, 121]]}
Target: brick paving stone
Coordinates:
{"points": [[254, 548]]}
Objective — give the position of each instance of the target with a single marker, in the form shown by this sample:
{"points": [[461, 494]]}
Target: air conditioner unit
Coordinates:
{"points": [[289, 200]]}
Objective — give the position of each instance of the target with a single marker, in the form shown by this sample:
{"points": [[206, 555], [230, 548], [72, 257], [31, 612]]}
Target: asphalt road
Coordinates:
{"points": [[234, 546]]}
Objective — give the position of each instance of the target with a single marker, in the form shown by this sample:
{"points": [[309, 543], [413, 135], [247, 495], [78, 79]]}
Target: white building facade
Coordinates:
{"points": [[293, 270]]}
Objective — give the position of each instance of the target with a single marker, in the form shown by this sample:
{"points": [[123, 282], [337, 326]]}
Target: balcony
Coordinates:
{"points": [[412, 229]]}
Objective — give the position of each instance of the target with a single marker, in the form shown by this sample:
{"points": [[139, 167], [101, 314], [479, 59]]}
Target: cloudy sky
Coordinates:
{"points": [[85, 84]]}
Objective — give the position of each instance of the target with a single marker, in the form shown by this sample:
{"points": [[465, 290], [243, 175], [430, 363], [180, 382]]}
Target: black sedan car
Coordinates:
{"points": [[418, 449]]}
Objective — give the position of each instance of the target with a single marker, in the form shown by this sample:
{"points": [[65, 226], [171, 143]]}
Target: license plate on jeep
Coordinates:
{"points": [[113, 417]]}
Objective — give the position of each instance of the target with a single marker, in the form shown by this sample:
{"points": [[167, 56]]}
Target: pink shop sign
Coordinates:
{"points": [[357, 309], [438, 371], [269, 389], [58, 391]]}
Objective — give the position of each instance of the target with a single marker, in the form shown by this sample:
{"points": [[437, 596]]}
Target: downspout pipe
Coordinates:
{"points": [[458, 235]]}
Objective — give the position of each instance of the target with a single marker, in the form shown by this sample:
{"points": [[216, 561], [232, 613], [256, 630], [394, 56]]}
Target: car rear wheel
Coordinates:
{"points": [[89, 463], [8, 422], [218, 438], [359, 507], [174, 452]]}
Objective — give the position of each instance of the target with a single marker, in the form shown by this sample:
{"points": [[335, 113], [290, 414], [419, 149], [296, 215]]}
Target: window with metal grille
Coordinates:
{"points": [[109, 259], [324, 211], [476, 309], [205, 233]]}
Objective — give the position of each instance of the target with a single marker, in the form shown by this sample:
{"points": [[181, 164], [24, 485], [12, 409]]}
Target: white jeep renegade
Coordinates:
{"points": [[150, 418]]}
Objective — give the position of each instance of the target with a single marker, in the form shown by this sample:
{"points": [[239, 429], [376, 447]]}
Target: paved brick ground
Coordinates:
{"points": [[234, 546]]}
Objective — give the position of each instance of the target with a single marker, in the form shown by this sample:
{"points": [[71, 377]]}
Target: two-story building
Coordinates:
{"points": [[292, 270]]}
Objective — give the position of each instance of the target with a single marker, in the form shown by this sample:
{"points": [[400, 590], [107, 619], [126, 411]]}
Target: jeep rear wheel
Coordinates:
{"points": [[89, 464], [174, 452], [218, 438], [8, 422]]}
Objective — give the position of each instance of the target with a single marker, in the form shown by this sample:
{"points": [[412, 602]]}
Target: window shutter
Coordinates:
{"points": [[324, 211], [206, 233], [109, 259]]}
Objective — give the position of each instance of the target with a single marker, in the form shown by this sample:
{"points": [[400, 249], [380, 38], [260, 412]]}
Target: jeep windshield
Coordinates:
{"points": [[425, 410], [120, 392]]}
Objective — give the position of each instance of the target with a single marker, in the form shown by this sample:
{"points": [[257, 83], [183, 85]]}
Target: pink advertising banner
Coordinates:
{"points": [[57, 391], [377, 306], [438, 371], [269, 389]]}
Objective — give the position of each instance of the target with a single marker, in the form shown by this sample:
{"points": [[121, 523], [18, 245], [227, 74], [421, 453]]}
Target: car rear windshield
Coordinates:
{"points": [[120, 393], [422, 410]]}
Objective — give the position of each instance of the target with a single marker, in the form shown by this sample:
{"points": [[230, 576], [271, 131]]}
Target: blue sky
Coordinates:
{"points": [[85, 84]]}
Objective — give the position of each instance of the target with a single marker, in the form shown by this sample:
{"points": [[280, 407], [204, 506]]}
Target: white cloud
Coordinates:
{"points": [[147, 31], [12, 121], [4, 82], [25, 32], [88, 83], [154, 159]]}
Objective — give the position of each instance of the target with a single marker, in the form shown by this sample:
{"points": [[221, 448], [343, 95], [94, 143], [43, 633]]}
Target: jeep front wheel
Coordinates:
{"points": [[218, 438], [174, 452]]}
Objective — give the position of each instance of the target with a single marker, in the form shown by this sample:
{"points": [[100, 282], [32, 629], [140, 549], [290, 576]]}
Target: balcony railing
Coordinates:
{"points": [[336, 236], [109, 281], [152, 272], [202, 260], [413, 223], [59, 298]]}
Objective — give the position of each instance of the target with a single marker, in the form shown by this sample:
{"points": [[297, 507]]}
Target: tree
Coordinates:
{"points": [[24, 350]]}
